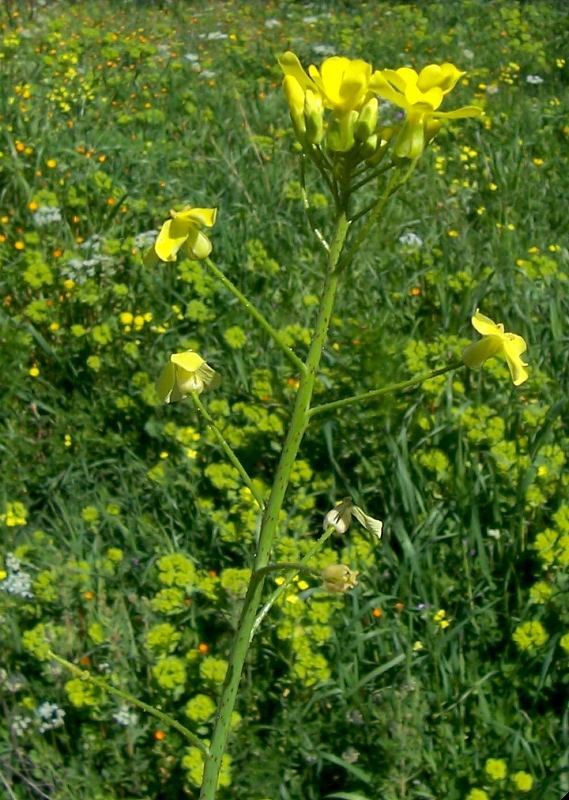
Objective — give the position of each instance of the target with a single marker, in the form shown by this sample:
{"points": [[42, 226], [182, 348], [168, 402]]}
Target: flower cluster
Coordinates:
{"points": [[350, 88]]}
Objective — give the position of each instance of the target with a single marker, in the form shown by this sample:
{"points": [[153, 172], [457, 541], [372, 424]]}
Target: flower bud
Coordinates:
{"points": [[313, 117], [340, 136], [295, 96], [338, 578], [367, 120], [340, 516]]}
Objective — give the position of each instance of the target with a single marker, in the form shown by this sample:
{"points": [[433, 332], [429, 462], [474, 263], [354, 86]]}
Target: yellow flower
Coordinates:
{"points": [[420, 95], [477, 794], [338, 578], [186, 372], [496, 342], [523, 781], [183, 231], [564, 642], [342, 83], [530, 635], [496, 769]]}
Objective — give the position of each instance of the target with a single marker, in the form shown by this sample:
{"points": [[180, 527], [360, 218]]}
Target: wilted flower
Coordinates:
{"points": [[183, 231], [185, 373], [338, 578], [496, 342], [340, 517]]}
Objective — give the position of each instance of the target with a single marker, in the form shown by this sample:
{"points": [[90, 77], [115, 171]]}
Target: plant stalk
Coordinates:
{"points": [[298, 425]]}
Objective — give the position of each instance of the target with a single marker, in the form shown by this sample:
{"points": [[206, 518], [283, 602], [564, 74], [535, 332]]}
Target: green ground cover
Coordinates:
{"points": [[127, 539]]}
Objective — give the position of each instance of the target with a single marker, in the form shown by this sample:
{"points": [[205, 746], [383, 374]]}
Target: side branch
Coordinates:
{"points": [[228, 450], [391, 389], [256, 314], [130, 698]]}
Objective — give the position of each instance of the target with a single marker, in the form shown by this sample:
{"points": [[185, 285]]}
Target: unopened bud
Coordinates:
{"points": [[340, 136], [295, 99], [313, 117], [367, 120]]}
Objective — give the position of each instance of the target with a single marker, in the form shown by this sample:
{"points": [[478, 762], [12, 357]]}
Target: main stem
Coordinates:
{"points": [[298, 424]]}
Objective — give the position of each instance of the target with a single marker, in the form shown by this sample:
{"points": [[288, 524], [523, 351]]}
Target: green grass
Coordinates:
{"points": [[362, 697]]}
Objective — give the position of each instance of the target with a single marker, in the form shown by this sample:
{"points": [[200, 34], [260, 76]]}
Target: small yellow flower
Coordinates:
{"points": [[477, 794], [496, 342], [530, 635], [338, 578], [496, 769], [183, 231], [564, 642], [186, 372], [523, 781], [342, 83], [420, 94]]}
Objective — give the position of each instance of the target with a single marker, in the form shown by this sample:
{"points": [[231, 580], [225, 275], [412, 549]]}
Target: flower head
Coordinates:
{"points": [[496, 769], [420, 95], [523, 781], [338, 578], [183, 231], [342, 83], [496, 342], [185, 373]]}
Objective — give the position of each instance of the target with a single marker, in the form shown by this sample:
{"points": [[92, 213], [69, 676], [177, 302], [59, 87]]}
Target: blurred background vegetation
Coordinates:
{"points": [[126, 538]]}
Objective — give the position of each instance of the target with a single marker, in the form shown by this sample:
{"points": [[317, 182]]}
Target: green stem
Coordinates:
{"points": [[256, 314], [308, 209], [130, 698], [298, 424], [375, 211], [284, 586], [228, 450], [393, 387]]}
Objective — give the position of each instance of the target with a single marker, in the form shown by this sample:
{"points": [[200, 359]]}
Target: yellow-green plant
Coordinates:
{"points": [[335, 111]]}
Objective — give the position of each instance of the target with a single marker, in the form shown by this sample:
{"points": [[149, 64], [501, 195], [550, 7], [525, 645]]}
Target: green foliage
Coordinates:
{"points": [[126, 537]]}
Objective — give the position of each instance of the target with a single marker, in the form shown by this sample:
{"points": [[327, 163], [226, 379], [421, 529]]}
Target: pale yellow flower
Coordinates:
{"points": [[185, 373], [183, 232], [496, 342]]}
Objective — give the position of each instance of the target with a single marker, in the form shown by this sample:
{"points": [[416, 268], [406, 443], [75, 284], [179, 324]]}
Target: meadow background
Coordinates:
{"points": [[126, 538]]}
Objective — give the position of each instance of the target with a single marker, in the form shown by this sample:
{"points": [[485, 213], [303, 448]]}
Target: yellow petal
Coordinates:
{"points": [[295, 95], [431, 75], [431, 99], [170, 239], [451, 76], [165, 383], [514, 346], [290, 65], [485, 326], [380, 85], [461, 113], [198, 216], [189, 360]]}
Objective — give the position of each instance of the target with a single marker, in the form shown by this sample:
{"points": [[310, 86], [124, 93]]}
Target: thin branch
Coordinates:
{"points": [[393, 387], [307, 207], [284, 586], [227, 449], [256, 314], [130, 698]]}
